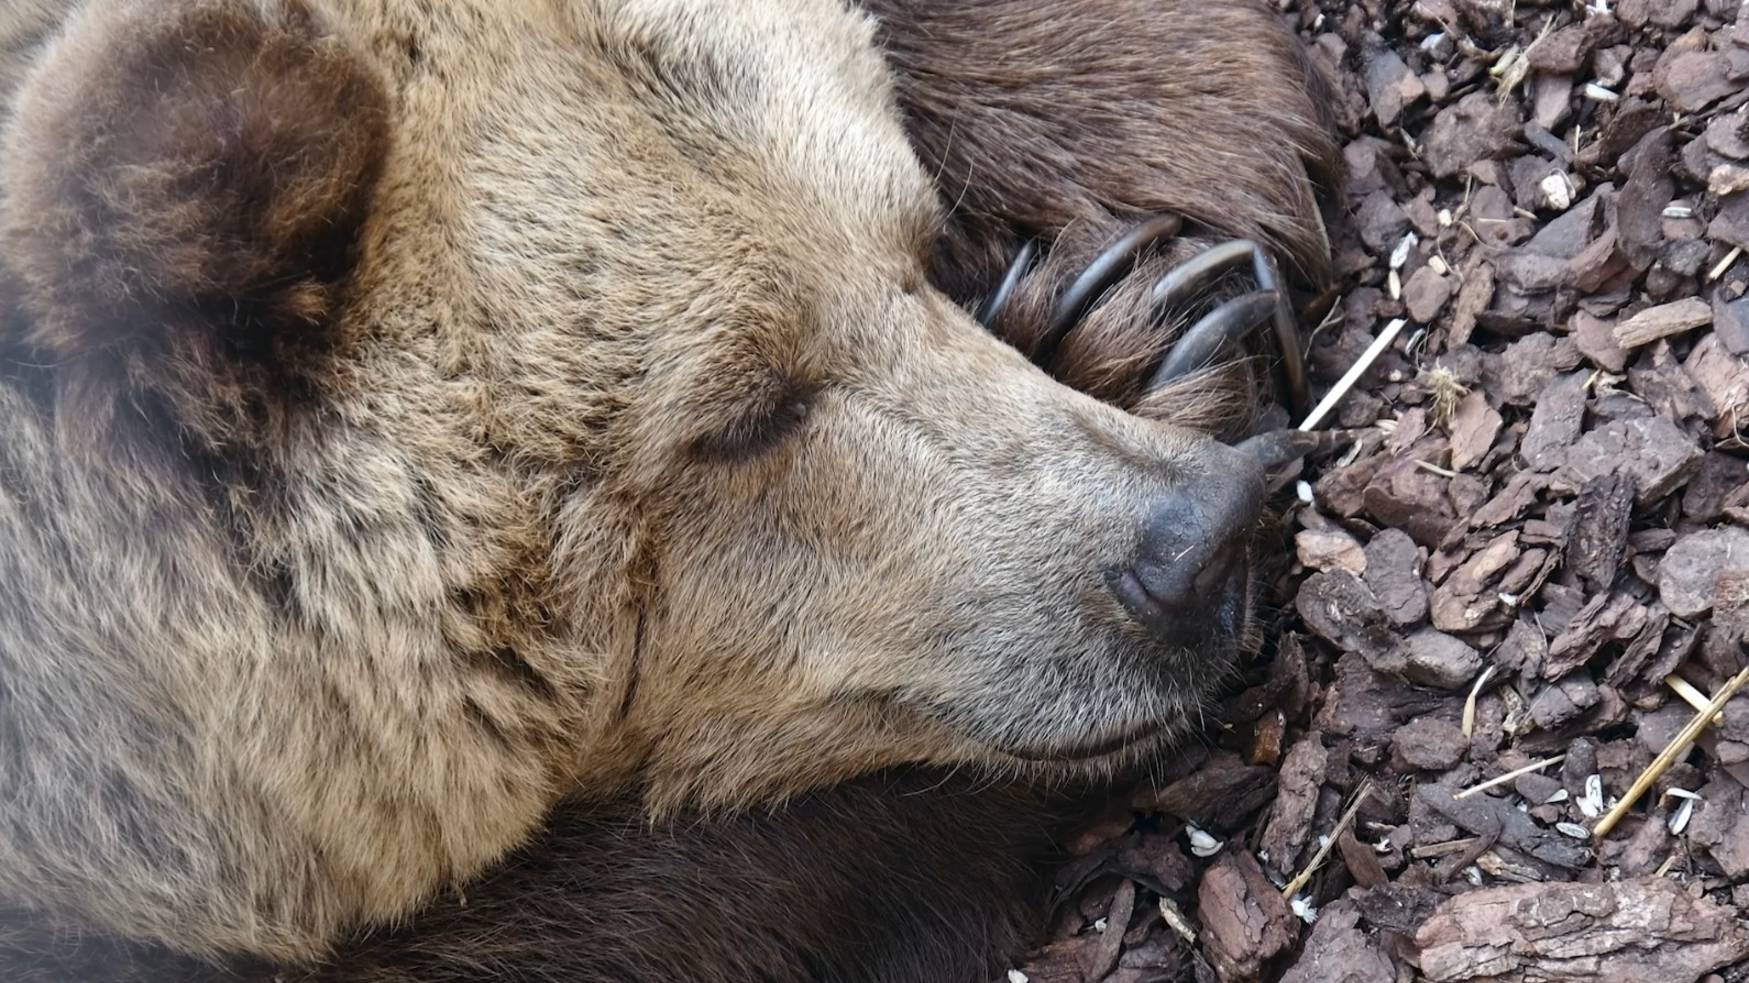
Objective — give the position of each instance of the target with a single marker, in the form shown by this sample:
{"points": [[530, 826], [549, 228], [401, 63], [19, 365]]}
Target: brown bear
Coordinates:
{"points": [[422, 415]]}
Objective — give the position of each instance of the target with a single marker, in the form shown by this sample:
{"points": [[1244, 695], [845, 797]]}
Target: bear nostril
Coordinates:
{"points": [[1192, 542]]}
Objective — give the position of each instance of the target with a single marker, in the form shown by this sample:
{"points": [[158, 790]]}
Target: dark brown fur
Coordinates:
{"points": [[1068, 123], [224, 158], [1040, 116], [903, 877], [188, 204]]}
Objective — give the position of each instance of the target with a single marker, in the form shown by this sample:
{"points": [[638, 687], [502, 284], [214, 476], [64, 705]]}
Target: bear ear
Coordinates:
{"points": [[189, 166]]}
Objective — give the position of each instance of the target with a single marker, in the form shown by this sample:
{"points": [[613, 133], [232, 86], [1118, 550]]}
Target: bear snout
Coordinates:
{"points": [[1190, 559]]}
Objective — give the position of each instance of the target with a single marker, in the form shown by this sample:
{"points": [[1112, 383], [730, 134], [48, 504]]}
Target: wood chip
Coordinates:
{"points": [[1663, 321]]}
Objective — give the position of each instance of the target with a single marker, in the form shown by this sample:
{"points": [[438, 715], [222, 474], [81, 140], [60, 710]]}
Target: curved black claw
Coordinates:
{"points": [[1024, 261], [1279, 447], [1185, 282], [1180, 287], [1226, 324], [1111, 265]]}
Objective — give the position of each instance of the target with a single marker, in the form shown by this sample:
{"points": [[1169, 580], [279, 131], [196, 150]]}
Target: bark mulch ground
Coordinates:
{"points": [[1509, 596]]}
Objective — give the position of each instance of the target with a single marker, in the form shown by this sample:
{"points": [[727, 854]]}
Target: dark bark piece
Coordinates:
{"points": [[1519, 374], [1245, 922], [1390, 84], [1555, 423], [1645, 849], [1662, 382], [1551, 101], [1567, 234], [1475, 128], [1632, 121], [1605, 618], [1511, 502], [1339, 608], [1731, 321], [1721, 826], [1567, 50], [1524, 650], [1688, 577], [1600, 529], [1596, 339], [1290, 818], [1639, 660], [1474, 427], [1720, 481], [1656, 454], [1536, 789], [1427, 744], [1728, 133], [1731, 224], [1339, 952], [1362, 861], [1102, 957], [1693, 80], [1220, 798], [1426, 292], [1647, 929], [1369, 706], [1641, 204], [1393, 571], [1381, 222], [1485, 815], [1155, 861], [1432, 658], [1397, 907], [1412, 499], [1564, 701]]}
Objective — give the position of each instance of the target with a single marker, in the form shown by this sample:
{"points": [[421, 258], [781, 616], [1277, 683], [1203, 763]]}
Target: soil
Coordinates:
{"points": [[1538, 535]]}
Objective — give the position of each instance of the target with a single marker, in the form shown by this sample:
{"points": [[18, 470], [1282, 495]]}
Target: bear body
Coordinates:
{"points": [[421, 415]]}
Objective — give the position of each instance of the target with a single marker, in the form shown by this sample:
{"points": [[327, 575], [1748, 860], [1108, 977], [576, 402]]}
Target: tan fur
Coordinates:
{"points": [[584, 425]]}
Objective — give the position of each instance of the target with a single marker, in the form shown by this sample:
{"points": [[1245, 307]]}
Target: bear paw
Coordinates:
{"points": [[1040, 115]]}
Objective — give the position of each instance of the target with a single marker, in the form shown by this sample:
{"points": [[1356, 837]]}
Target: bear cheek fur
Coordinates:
{"points": [[183, 182]]}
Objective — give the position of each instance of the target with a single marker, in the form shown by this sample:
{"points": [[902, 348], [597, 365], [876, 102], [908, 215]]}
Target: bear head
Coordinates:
{"points": [[445, 408]]}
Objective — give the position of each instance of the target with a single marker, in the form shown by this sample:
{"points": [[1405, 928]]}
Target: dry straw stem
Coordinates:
{"points": [[1355, 371], [1500, 780], [1470, 703], [1305, 876], [1692, 696], [1677, 747]]}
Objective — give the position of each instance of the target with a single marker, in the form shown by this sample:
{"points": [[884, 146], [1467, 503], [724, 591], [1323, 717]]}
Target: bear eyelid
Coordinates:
{"points": [[761, 429]]}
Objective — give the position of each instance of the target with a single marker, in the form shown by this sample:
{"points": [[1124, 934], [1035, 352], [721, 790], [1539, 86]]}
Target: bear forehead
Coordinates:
{"points": [[599, 160]]}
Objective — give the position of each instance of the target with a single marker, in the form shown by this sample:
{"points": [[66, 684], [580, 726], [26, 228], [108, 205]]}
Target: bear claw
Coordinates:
{"points": [[1189, 278], [1112, 264], [1024, 262], [1229, 322]]}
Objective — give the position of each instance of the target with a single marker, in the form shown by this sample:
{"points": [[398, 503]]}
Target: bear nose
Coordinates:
{"points": [[1192, 541]]}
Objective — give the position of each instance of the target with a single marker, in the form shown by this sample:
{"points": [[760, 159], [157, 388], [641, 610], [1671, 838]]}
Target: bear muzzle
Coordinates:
{"points": [[1188, 573]]}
